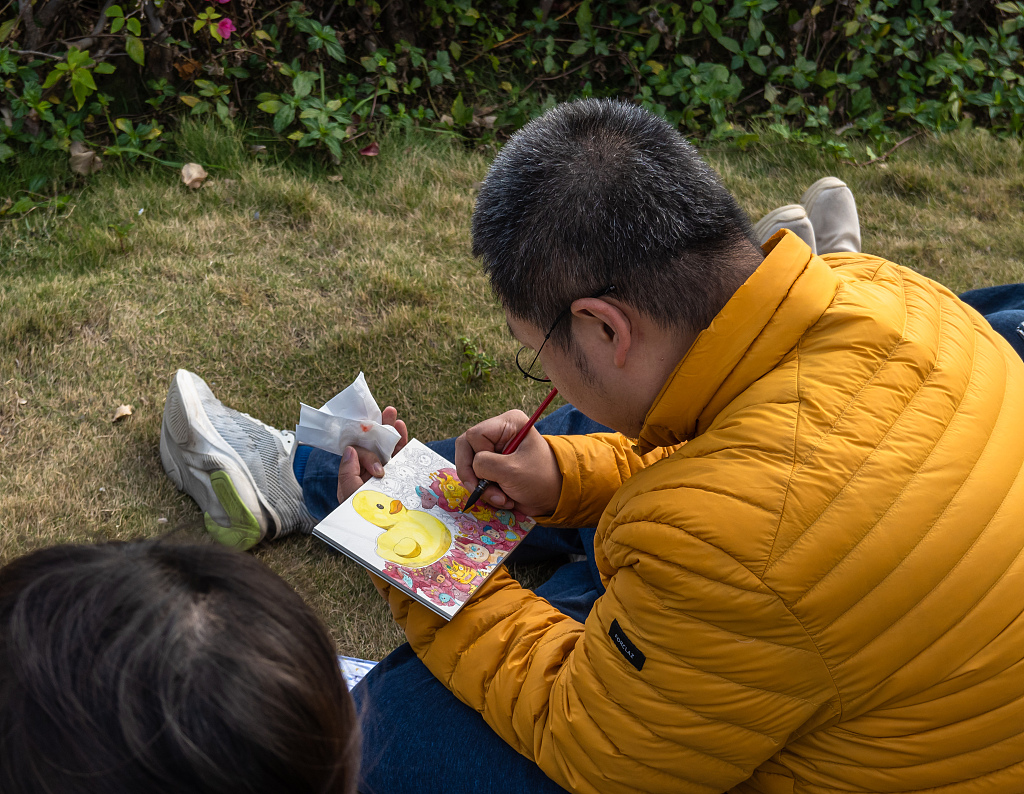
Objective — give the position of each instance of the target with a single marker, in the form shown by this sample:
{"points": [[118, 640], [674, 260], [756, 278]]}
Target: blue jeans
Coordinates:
{"points": [[417, 735], [1003, 307]]}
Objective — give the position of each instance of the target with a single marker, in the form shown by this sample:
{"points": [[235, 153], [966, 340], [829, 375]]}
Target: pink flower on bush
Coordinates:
{"points": [[222, 2], [225, 28]]}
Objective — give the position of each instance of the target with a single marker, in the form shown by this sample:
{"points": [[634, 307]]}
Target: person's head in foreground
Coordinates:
{"points": [[599, 224], [141, 667]]}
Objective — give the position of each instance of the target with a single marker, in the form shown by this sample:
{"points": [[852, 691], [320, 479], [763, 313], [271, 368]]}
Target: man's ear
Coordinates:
{"points": [[607, 324]]}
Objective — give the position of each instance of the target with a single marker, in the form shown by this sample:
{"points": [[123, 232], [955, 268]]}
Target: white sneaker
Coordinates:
{"points": [[238, 470], [788, 216], [832, 212]]}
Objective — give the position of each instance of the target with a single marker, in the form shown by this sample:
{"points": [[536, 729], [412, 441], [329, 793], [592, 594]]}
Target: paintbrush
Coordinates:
{"points": [[511, 447]]}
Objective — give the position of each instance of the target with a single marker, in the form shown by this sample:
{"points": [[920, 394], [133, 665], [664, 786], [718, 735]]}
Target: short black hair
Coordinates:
{"points": [[602, 192], [134, 667]]}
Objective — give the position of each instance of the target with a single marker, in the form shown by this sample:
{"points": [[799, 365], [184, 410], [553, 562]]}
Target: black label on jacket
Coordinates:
{"points": [[633, 654]]}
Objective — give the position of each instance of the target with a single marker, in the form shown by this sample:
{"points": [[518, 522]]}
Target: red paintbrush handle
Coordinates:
{"points": [[513, 445]]}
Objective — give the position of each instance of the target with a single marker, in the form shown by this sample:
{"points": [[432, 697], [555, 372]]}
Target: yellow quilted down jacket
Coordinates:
{"points": [[822, 591]]}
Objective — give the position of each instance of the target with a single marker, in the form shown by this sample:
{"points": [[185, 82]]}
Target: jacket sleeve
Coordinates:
{"points": [[719, 675], [593, 468]]}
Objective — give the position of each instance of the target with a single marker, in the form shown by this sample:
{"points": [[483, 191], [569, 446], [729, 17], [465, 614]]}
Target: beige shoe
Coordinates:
{"points": [[789, 216], [832, 212]]}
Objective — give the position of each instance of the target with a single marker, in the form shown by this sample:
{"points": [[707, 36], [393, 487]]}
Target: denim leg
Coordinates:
{"points": [[417, 736], [1010, 324], [989, 300], [1003, 307], [319, 483]]}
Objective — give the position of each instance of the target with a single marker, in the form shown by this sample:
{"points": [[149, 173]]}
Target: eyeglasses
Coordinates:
{"points": [[528, 369]]}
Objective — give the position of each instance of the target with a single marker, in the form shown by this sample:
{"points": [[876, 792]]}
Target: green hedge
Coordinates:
{"points": [[324, 74]]}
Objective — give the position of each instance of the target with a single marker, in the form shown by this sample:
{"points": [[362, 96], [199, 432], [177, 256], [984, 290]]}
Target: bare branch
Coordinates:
{"points": [[97, 28], [885, 156], [40, 54], [49, 13], [31, 31], [153, 18]]}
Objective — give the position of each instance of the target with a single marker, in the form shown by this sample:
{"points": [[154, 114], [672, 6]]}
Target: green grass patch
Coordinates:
{"points": [[277, 285]]}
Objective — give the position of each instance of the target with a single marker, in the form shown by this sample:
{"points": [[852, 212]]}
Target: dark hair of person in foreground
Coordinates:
{"points": [[153, 667]]}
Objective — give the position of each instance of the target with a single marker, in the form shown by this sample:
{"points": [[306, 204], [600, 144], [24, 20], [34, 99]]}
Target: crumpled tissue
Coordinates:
{"points": [[350, 418]]}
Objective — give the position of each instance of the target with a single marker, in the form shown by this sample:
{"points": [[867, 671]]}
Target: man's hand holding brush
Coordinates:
{"points": [[527, 480]]}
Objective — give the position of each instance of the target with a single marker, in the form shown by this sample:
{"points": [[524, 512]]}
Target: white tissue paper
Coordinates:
{"points": [[350, 418]]}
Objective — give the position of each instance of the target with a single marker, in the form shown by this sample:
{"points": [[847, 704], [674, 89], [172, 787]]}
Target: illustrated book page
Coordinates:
{"points": [[408, 527], [354, 670]]}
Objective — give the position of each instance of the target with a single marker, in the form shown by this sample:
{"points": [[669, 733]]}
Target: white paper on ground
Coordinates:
{"points": [[350, 418]]}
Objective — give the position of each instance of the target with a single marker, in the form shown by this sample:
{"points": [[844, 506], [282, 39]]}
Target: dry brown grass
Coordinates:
{"points": [[372, 273]]}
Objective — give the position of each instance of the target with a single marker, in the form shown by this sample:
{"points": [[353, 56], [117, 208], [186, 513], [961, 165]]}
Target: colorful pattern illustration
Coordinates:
{"points": [[483, 538], [408, 527]]}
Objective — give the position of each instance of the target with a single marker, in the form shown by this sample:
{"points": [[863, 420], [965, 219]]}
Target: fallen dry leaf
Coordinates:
{"points": [[193, 175], [335, 178], [370, 151], [121, 412], [487, 122], [187, 68], [84, 161], [22, 401], [257, 148]]}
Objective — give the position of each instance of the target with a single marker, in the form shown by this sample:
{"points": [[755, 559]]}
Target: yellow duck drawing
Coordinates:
{"points": [[411, 538]]}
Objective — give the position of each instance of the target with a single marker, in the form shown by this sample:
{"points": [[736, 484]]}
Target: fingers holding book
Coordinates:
{"points": [[358, 465]]}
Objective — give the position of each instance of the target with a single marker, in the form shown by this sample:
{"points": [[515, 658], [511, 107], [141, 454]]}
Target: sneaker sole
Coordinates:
{"points": [[244, 531], [183, 402]]}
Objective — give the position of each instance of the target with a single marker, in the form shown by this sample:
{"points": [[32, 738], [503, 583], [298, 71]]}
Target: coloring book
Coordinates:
{"points": [[408, 527]]}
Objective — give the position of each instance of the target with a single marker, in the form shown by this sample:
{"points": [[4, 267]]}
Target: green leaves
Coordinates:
{"points": [[133, 46], [6, 29], [116, 14], [461, 114], [82, 85], [584, 19], [78, 70], [710, 67], [320, 36], [118, 21], [729, 43], [283, 117], [476, 365], [302, 84]]}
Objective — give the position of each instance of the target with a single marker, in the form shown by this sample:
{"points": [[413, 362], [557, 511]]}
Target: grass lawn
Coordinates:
{"points": [[277, 285]]}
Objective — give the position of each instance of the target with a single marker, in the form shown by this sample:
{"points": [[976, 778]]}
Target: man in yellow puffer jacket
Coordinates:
{"points": [[810, 527]]}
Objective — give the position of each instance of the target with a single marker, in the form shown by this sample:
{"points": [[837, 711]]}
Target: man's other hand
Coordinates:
{"points": [[528, 480], [358, 465]]}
